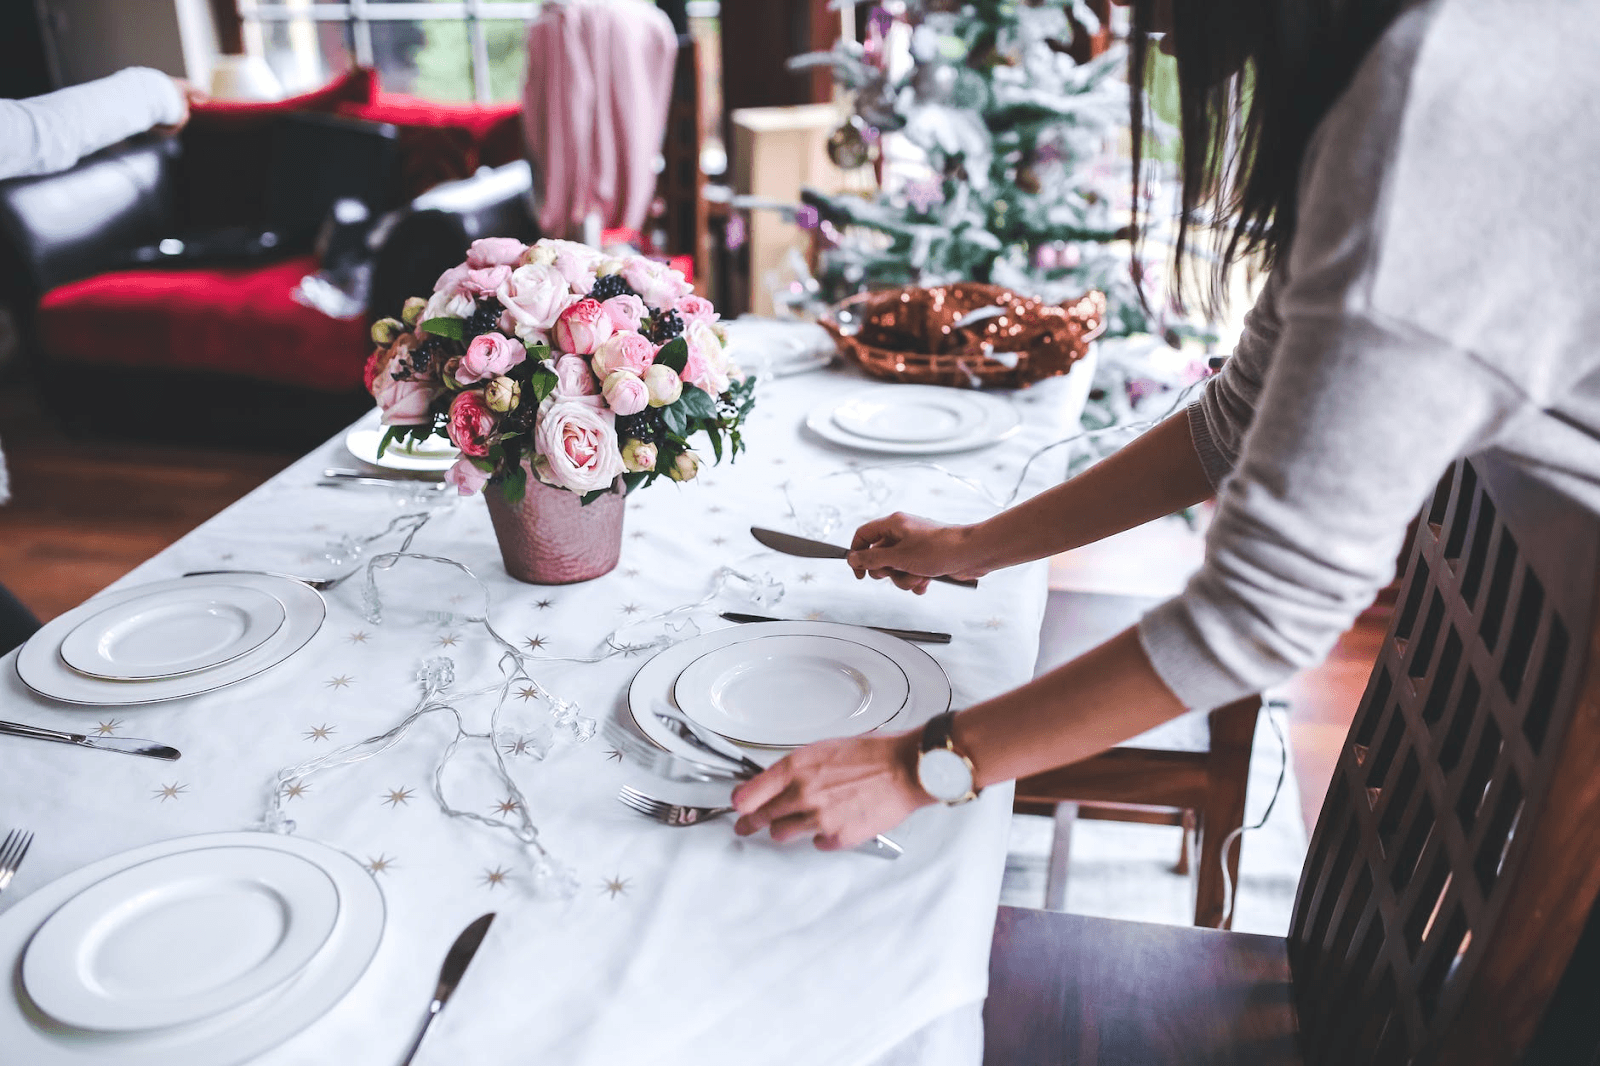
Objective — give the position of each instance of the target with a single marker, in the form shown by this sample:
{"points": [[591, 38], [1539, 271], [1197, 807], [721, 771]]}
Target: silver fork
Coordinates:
{"points": [[12, 851], [668, 813], [321, 584]]}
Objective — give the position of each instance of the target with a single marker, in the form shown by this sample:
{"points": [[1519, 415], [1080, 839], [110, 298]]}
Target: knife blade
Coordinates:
{"points": [[124, 745], [789, 544], [921, 636], [456, 961]]}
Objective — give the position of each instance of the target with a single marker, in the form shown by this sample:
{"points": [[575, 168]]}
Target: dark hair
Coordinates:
{"points": [[1255, 77]]}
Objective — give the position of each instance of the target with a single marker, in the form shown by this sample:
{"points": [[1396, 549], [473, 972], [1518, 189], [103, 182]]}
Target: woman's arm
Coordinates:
{"points": [[51, 133]]}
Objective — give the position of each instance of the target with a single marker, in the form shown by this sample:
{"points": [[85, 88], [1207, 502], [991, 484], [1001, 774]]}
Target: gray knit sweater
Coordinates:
{"points": [[1441, 298]]}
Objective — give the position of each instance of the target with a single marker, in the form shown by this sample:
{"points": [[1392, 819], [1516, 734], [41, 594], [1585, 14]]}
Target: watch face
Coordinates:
{"points": [[944, 775]]}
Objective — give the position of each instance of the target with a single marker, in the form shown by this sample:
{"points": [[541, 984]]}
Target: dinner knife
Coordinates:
{"points": [[455, 964], [921, 636], [789, 544], [126, 745]]}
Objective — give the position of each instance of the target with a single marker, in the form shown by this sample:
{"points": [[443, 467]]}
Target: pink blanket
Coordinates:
{"points": [[595, 105]]}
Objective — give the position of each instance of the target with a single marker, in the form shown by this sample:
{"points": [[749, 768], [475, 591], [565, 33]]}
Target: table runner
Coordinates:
{"points": [[678, 945]]}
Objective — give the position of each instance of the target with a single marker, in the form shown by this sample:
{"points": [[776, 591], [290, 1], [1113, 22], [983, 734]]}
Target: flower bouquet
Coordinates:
{"points": [[589, 372]]}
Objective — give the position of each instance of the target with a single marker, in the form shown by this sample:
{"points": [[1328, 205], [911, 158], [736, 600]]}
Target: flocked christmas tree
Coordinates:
{"points": [[1010, 176]]}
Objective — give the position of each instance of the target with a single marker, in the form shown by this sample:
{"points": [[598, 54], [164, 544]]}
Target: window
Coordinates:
{"points": [[452, 50]]}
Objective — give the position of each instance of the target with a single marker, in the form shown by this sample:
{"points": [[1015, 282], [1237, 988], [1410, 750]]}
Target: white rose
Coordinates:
{"points": [[580, 444], [664, 384], [448, 305], [574, 261], [708, 363], [534, 297]]}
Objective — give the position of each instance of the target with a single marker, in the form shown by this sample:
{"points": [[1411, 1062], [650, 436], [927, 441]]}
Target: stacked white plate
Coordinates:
{"points": [[772, 686], [170, 639], [205, 950], [432, 456], [779, 347], [914, 420]]}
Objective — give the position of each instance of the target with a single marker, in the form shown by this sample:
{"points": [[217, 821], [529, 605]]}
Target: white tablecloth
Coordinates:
{"points": [[680, 945]]}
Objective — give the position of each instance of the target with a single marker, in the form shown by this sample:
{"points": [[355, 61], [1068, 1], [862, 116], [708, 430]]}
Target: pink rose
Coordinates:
{"points": [[484, 282], [376, 362], [694, 309], [623, 351], [707, 365], [450, 281], [467, 479], [488, 356], [574, 261], [583, 327], [625, 393], [573, 380], [656, 283], [579, 446], [472, 424], [626, 311], [534, 296], [495, 251], [404, 403]]}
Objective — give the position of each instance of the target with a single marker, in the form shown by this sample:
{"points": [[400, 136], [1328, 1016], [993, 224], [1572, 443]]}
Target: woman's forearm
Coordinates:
{"points": [[1076, 710], [1155, 475]]}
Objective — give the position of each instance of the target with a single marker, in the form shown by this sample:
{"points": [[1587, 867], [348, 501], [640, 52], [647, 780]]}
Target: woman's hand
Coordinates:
{"points": [[839, 792], [911, 551]]}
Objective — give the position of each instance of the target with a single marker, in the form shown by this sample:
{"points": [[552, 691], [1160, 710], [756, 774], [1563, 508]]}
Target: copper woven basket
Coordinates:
{"points": [[911, 334]]}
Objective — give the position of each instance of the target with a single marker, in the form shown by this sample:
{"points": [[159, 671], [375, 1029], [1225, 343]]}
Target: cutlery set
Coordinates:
{"points": [[789, 544]]}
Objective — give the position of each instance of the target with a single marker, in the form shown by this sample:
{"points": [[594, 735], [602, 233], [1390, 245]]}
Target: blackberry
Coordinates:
{"points": [[483, 319], [665, 326], [607, 287], [646, 426]]}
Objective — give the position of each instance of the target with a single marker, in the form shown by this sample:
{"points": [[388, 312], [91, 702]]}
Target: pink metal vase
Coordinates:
{"points": [[550, 538]]}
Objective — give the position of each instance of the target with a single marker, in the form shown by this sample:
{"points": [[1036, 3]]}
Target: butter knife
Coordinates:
{"points": [[126, 745], [789, 544], [921, 636], [455, 964]]}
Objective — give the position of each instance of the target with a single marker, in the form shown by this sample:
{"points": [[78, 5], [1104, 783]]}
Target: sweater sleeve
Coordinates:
{"points": [[1219, 419], [50, 133]]}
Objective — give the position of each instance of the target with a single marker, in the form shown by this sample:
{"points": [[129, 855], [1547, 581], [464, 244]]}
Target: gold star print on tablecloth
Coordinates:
{"points": [[631, 608], [515, 747], [342, 681], [807, 578], [105, 729], [713, 509], [527, 692], [534, 642], [544, 605], [719, 541], [507, 806], [382, 864], [994, 623], [613, 753], [397, 796], [448, 640], [813, 616], [321, 732], [296, 790], [358, 637], [631, 571], [495, 877], [169, 792], [616, 885]]}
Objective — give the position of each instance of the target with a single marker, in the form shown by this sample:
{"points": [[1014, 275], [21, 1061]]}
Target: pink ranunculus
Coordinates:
{"points": [[472, 424], [694, 309], [623, 351], [450, 281], [625, 393], [579, 444], [573, 379], [707, 365], [403, 403], [488, 356], [495, 251], [626, 311], [657, 284], [582, 328], [534, 296], [467, 479], [484, 282]]}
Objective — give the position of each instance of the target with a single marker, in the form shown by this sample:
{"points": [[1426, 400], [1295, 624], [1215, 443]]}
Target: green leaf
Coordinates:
{"points": [[716, 442], [696, 403], [541, 384], [676, 419], [538, 353], [590, 497], [389, 436], [634, 481], [454, 328], [515, 483], [675, 354]]}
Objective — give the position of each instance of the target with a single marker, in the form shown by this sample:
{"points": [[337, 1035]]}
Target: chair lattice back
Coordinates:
{"points": [[1458, 852]]}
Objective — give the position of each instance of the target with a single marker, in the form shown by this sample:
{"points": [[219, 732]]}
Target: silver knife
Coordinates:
{"points": [[789, 544], [126, 745], [921, 636], [363, 481], [455, 964]]}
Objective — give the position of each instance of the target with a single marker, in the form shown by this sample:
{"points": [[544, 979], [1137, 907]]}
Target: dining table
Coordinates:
{"points": [[649, 943]]}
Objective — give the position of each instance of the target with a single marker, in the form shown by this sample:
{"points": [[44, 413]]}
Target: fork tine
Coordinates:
{"points": [[8, 847], [27, 842], [638, 801]]}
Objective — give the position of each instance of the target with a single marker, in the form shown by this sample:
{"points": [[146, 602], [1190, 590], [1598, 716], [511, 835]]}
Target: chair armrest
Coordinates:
{"points": [[431, 235]]}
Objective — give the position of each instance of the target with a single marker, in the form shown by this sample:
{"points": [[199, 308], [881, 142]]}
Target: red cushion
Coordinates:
{"points": [[444, 142], [227, 151], [230, 321]]}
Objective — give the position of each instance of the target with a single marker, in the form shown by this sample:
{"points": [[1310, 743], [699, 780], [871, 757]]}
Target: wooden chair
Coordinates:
{"points": [[1191, 772], [1455, 862], [682, 226]]}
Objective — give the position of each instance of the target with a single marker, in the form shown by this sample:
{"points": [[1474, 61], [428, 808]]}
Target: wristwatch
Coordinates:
{"points": [[945, 773]]}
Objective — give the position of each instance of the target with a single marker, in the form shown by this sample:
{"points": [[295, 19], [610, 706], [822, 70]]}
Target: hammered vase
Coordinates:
{"points": [[551, 538]]}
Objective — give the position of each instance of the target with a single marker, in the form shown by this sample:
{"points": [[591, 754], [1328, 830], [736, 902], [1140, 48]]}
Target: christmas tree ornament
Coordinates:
{"points": [[848, 146]]}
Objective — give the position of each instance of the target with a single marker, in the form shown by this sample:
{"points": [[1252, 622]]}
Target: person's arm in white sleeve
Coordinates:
{"points": [[1219, 420], [50, 133]]}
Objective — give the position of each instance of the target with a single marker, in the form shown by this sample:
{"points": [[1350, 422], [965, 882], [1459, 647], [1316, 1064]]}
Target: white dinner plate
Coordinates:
{"points": [[929, 687], [40, 667], [29, 1036], [173, 631], [779, 347], [785, 691], [914, 419], [180, 938], [432, 456]]}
